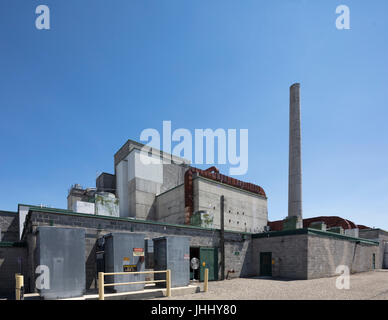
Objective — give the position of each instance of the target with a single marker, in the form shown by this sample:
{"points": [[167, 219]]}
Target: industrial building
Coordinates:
{"points": [[162, 215]]}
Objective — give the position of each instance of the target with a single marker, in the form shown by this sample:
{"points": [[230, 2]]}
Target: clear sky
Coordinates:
{"points": [[72, 95]]}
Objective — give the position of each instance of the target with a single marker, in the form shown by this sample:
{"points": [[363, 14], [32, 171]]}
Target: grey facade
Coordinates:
{"points": [[326, 254], [170, 205], [309, 253], [138, 183], [244, 211], [13, 259], [96, 227], [382, 237], [9, 226], [119, 254], [106, 182], [61, 252], [296, 254], [173, 253], [158, 191]]}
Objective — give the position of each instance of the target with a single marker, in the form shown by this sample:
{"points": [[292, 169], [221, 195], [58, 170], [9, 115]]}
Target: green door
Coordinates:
{"points": [[208, 258], [266, 264]]}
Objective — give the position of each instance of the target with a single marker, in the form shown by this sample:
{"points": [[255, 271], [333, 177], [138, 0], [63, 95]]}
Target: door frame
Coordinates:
{"points": [[267, 253], [214, 276]]}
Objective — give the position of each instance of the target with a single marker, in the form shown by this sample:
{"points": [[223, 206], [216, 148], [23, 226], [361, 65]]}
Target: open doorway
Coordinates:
{"points": [[194, 253]]}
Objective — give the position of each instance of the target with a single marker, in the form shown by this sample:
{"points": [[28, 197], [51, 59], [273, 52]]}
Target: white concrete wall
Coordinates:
{"points": [[137, 169], [23, 211], [138, 183], [244, 211], [122, 187], [106, 204], [83, 207]]}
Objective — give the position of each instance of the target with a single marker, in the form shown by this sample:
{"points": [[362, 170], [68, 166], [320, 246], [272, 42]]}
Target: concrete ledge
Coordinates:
{"points": [[6, 244], [311, 231], [148, 293], [151, 292]]}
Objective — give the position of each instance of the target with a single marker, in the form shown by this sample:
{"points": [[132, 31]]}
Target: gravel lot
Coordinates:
{"points": [[364, 286]]}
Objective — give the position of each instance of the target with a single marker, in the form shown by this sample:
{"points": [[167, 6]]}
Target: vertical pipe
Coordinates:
{"points": [[168, 283], [206, 280], [222, 237], [295, 157], [101, 286]]}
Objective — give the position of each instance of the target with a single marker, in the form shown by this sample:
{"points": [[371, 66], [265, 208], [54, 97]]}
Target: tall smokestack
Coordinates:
{"points": [[295, 158]]}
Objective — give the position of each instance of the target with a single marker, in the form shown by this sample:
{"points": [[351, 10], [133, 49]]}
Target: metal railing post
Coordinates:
{"points": [[205, 284], [19, 285], [168, 283], [101, 286]]}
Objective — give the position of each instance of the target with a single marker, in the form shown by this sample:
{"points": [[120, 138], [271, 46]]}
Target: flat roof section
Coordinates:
{"points": [[313, 232]]}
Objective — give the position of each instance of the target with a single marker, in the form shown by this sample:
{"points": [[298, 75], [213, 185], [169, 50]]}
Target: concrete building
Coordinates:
{"points": [[168, 189], [294, 254], [138, 182], [381, 236], [226, 220]]}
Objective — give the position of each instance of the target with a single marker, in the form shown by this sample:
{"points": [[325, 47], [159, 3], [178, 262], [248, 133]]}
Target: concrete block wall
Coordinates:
{"points": [[309, 256], [382, 237], [385, 256], [326, 254], [238, 258], [289, 254], [95, 227], [9, 226]]}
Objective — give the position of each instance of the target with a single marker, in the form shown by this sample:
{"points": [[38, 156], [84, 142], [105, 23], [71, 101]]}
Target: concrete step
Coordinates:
{"points": [[148, 293]]}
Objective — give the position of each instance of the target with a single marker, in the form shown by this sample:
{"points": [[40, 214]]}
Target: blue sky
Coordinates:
{"points": [[106, 70]]}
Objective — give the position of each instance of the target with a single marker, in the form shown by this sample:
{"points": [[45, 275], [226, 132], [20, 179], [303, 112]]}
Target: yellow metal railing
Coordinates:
{"points": [[19, 286], [102, 284], [206, 280]]}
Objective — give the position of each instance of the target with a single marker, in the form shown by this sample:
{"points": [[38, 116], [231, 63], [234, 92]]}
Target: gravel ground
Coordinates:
{"points": [[363, 286]]}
